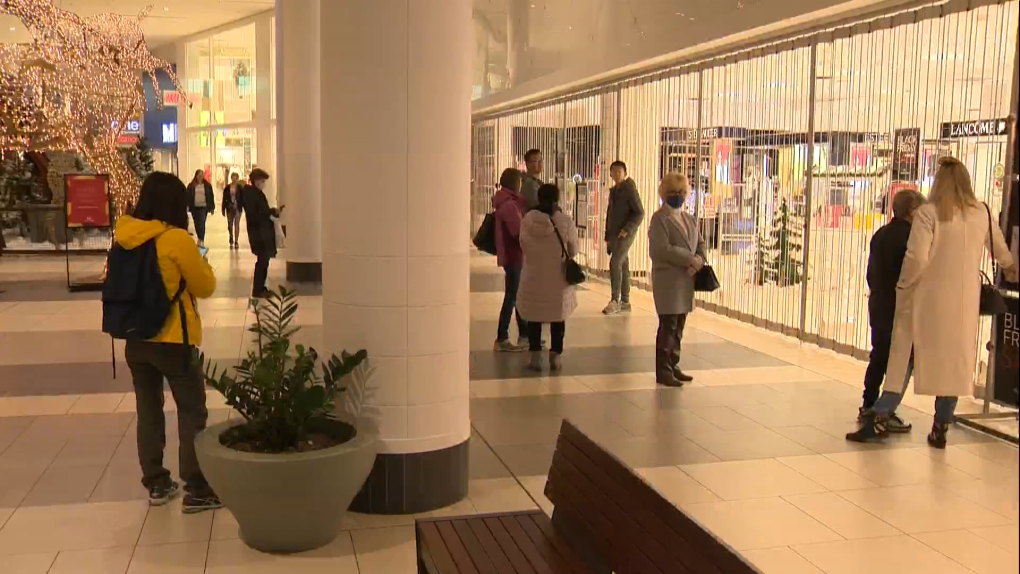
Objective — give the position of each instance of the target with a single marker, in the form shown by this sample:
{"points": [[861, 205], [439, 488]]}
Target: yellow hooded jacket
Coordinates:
{"points": [[178, 258]]}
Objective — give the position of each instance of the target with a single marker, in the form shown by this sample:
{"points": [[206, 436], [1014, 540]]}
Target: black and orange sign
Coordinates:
{"points": [[88, 200]]}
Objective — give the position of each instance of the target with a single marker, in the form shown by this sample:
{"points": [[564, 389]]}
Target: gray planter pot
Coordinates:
{"points": [[286, 502]]}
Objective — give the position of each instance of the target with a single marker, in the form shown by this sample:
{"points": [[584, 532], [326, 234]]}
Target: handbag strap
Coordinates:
{"points": [[563, 246], [991, 240]]}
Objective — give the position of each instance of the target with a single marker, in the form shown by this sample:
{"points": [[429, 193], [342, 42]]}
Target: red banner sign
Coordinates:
{"points": [[88, 200]]}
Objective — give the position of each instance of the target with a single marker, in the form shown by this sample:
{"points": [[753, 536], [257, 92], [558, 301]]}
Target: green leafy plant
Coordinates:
{"points": [[281, 394]]}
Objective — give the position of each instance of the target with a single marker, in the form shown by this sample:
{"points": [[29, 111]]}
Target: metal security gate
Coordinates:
{"points": [[794, 148]]}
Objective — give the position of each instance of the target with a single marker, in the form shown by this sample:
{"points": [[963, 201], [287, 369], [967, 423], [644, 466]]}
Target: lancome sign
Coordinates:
{"points": [[974, 129]]}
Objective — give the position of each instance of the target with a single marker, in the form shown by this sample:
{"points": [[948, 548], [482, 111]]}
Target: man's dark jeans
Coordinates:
{"points": [[150, 363], [261, 275], [512, 283], [881, 341]]}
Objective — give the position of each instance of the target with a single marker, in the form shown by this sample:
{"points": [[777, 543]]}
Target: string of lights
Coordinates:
{"points": [[75, 86]]}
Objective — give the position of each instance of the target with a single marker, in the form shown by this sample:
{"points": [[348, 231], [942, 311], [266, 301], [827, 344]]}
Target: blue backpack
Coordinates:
{"points": [[135, 303]]}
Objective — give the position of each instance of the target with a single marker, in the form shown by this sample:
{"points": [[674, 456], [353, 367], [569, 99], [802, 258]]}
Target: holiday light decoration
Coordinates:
{"points": [[75, 86]]}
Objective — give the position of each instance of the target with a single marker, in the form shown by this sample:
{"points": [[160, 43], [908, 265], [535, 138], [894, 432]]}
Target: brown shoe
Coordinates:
{"points": [[669, 382]]}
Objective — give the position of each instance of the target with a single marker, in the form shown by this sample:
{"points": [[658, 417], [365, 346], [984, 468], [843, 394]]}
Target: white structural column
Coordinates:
{"points": [[299, 136], [518, 32], [396, 90]]}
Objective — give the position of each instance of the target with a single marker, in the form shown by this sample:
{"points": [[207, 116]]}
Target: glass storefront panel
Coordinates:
{"points": [[788, 192], [234, 78]]}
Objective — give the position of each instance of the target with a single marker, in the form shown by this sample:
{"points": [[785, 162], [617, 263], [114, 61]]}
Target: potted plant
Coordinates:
{"points": [[290, 467]]}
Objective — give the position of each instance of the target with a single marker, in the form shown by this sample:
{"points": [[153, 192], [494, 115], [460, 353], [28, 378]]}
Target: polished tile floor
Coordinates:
{"points": [[753, 449]]}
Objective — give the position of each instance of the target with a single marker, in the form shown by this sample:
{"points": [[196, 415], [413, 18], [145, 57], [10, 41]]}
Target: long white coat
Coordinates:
{"points": [[937, 301], [545, 296]]}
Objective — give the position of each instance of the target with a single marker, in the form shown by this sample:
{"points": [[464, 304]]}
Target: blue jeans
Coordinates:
{"points": [[511, 284], [199, 214], [945, 407]]}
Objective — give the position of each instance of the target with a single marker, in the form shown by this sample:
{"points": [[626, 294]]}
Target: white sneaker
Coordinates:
{"points": [[612, 308]]}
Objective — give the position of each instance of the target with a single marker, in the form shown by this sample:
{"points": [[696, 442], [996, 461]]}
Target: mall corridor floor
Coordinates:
{"points": [[753, 449]]}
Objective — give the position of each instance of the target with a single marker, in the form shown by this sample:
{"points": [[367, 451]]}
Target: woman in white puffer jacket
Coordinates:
{"points": [[545, 296]]}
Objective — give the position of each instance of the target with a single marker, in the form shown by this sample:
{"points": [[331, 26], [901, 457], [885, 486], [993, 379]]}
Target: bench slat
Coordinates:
{"points": [[527, 546], [552, 544], [437, 550], [491, 547], [670, 551], [634, 548], [714, 551], [474, 547], [506, 542], [456, 547]]}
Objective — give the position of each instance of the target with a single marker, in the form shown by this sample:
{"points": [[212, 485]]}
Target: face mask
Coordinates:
{"points": [[674, 201], [261, 185]]}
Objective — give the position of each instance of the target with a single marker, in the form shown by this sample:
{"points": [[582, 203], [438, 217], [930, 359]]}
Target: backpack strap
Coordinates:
{"points": [[179, 299]]}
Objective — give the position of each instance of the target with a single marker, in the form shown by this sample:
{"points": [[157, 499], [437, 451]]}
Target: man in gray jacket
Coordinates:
{"points": [[534, 166], [623, 217]]}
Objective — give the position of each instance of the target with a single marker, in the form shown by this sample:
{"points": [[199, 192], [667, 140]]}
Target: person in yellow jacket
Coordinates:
{"points": [[162, 215]]}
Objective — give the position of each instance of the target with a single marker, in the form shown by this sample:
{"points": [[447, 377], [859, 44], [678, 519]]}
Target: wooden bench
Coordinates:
{"points": [[606, 520]]}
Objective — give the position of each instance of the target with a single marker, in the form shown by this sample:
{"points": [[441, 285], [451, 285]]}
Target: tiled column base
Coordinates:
{"points": [[415, 482], [304, 272]]}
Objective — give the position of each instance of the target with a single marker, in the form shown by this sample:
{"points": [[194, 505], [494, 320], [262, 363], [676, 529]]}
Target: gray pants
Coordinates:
{"points": [[619, 268], [150, 363]]}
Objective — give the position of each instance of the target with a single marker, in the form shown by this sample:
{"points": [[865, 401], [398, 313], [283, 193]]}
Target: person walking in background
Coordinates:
{"points": [[232, 209], [261, 229], [201, 202], [677, 251], [162, 215], [623, 217], [547, 235], [888, 248], [534, 163], [937, 303], [508, 205]]}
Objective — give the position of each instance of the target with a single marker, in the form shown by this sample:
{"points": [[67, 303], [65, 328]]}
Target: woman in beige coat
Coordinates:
{"points": [[677, 251], [935, 328], [545, 296]]}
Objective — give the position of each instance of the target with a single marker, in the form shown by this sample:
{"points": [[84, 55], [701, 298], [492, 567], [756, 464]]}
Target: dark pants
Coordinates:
{"points": [[667, 345], [261, 274], [150, 363], [199, 214], [619, 268], [881, 341], [511, 284], [234, 226], [558, 330]]}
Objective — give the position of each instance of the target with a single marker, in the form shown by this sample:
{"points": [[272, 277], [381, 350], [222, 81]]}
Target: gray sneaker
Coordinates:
{"points": [[612, 308], [506, 347], [625, 307], [896, 425]]}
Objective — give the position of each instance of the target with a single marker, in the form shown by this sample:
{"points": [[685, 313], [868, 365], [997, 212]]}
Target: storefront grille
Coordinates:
{"points": [[795, 149]]}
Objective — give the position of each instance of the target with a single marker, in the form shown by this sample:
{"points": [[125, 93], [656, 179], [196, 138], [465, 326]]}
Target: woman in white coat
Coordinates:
{"points": [[547, 236], [936, 323]]}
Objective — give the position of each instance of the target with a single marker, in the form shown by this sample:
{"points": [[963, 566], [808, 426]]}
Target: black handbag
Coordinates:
{"points": [[571, 270], [705, 279], [991, 301], [485, 239]]}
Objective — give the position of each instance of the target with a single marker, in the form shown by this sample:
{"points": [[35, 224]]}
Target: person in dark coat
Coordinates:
{"points": [[261, 229], [623, 217], [231, 205], [201, 202], [888, 248]]}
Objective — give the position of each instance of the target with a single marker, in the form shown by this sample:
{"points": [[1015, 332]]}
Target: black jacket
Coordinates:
{"points": [[261, 230], [210, 197], [625, 210], [228, 203], [888, 248]]}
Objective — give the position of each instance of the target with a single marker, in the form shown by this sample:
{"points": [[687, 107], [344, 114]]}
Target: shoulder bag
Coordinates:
{"points": [[705, 279], [991, 302], [571, 270]]}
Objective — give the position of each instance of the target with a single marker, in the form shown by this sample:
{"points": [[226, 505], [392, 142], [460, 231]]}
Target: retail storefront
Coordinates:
{"points": [[229, 75], [801, 142]]}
